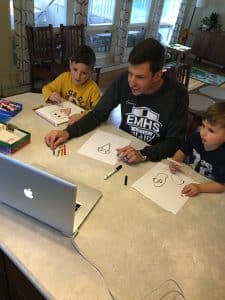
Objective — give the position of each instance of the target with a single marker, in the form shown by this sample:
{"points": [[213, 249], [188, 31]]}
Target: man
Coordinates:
{"points": [[154, 108]]}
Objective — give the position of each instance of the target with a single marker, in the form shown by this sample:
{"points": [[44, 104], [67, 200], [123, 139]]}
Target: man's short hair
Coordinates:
{"points": [[215, 114], [84, 55], [151, 51]]}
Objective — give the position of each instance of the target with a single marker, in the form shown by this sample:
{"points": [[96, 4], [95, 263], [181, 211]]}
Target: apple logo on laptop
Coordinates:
{"points": [[28, 193]]}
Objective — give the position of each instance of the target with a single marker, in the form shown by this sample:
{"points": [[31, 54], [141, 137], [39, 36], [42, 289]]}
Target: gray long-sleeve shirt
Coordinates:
{"points": [[159, 119]]}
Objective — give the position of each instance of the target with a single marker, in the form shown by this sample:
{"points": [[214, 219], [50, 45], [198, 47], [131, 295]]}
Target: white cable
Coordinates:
{"points": [[92, 264], [179, 291]]}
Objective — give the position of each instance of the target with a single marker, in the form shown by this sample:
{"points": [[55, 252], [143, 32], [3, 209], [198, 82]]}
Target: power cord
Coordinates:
{"points": [[164, 295], [92, 264], [174, 291]]}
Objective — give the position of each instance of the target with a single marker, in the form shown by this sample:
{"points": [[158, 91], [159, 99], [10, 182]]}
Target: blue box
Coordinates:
{"points": [[9, 108]]}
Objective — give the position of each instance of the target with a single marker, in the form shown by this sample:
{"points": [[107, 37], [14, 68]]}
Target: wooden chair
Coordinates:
{"points": [[41, 52], [180, 72], [72, 36], [198, 105]]}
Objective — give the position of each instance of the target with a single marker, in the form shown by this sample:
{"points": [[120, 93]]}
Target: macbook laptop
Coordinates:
{"points": [[57, 202]]}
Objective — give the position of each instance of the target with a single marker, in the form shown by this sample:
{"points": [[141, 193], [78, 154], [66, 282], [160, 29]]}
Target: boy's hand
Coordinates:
{"points": [[174, 167], [75, 117], [191, 190], [55, 98]]}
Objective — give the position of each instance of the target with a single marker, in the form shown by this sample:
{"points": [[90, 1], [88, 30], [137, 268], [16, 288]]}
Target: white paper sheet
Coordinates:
{"points": [[163, 187], [58, 114], [102, 146]]}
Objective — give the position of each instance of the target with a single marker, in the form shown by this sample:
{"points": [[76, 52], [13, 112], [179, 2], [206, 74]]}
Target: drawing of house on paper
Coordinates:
{"points": [[102, 146], [105, 149]]}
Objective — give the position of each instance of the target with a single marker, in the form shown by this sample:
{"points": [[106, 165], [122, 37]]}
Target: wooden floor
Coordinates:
{"points": [[207, 67]]}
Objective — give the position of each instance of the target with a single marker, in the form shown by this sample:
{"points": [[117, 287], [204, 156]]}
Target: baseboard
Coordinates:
{"points": [[207, 62], [16, 90]]}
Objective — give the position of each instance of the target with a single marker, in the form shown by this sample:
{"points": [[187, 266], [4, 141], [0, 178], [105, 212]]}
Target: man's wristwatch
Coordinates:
{"points": [[144, 158]]}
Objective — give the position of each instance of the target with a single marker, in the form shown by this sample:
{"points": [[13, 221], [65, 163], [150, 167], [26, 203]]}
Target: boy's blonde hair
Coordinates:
{"points": [[215, 114]]}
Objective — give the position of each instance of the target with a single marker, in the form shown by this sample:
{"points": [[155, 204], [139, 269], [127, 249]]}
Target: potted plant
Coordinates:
{"points": [[210, 23]]}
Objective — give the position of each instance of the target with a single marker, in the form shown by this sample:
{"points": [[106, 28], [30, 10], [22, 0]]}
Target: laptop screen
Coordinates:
{"points": [[44, 196]]}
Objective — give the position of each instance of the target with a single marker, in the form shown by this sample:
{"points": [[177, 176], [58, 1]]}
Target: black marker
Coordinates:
{"points": [[125, 179], [113, 172]]}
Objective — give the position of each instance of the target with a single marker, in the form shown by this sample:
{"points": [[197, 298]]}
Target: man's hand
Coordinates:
{"points": [[129, 155], [191, 190], [55, 98], [56, 137]]}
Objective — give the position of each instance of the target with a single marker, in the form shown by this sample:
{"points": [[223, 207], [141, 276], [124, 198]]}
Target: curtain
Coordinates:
{"points": [[23, 15], [121, 31], [178, 25], [80, 11], [154, 19]]}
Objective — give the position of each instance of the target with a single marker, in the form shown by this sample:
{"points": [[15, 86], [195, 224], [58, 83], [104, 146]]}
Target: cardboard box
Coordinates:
{"points": [[12, 138]]}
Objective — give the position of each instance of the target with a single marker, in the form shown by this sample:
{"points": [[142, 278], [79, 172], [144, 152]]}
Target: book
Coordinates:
{"points": [[57, 114], [9, 109], [12, 138]]}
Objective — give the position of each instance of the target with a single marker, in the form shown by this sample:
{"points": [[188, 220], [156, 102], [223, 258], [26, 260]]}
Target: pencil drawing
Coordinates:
{"points": [[161, 178], [105, 149]]}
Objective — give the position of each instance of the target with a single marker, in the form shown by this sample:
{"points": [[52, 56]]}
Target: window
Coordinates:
{"points": [[100, 42], [168, 20], [11, 14], [101, 12], [135, 36], [140, 11], [49, 12], [101, 15]]}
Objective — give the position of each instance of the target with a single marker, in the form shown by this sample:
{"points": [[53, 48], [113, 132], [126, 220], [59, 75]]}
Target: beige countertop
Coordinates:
{"points": [[135, 244]]}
